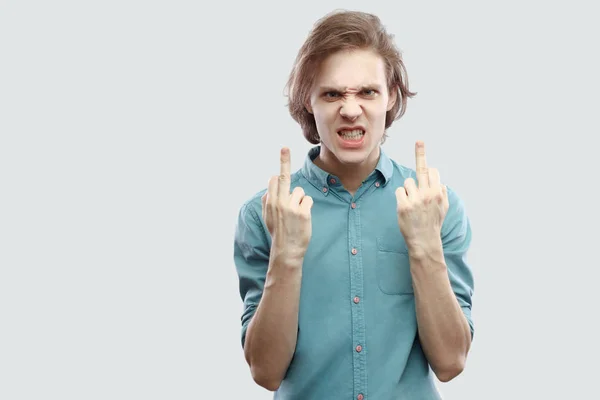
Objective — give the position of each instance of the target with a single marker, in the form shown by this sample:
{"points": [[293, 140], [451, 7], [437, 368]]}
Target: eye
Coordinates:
{"points": [[331, 95], [369, 92]]}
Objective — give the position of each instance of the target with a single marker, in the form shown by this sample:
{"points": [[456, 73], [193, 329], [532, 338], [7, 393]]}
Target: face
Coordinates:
{"points": [[349, 101]]}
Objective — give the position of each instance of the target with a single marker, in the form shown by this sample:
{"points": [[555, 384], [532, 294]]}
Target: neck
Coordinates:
{"points": [[350, 175]]}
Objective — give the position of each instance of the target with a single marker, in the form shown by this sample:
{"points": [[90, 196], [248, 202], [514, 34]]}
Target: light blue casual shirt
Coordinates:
{"points": [[357, 327]]}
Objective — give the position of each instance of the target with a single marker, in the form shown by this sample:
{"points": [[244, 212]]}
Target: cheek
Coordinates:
{"points": [[324, 115], [377, 111]]}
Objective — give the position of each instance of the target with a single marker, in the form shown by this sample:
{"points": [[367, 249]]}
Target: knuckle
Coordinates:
{"points": [[310, 201], [403, 210]]}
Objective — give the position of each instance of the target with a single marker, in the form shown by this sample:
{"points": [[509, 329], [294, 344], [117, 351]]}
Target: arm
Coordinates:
{"points": [[438, 235], [270, 275], [443, 285]]}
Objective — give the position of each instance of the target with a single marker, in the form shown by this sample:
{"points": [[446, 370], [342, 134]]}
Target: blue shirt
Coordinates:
{"points": [[357, 327]]}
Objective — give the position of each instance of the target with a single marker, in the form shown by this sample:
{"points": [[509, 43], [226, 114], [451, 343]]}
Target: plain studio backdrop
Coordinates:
{"points": [[132, 132]]}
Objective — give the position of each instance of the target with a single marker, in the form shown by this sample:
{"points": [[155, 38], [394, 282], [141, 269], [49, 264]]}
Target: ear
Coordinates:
{"points": [[308, 106], [393, 97]]}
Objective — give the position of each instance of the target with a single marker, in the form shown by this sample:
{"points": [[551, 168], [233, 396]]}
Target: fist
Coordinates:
{"points": [[422, 208], [287, 215]]}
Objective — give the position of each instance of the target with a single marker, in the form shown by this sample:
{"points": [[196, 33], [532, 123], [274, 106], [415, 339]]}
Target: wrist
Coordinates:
{"points": [[286, 256], [283, 273], [282, 260], [426, 249]]}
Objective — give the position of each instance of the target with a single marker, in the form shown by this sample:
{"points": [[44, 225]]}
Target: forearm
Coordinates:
{"points": [[272, 332], [443, 328]]}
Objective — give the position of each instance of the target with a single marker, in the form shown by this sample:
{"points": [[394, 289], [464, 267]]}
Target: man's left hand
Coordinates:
{"points": [[422, 209]]}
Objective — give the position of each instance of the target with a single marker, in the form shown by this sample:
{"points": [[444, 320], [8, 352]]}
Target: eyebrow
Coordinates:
{"points": [[339, 89]]}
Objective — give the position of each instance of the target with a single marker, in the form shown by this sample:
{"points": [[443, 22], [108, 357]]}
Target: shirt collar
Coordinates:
{"points": [[321, 178]]}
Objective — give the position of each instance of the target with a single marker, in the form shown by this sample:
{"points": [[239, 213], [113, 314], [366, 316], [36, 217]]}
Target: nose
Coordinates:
{"points": [[350, 109]]}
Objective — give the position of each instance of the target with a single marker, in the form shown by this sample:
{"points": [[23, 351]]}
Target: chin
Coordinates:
{"points": [[353, 157], [354, 153]]}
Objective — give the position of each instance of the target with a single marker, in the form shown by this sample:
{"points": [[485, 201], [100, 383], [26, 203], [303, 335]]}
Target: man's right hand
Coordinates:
{"points": [[287, 215]]}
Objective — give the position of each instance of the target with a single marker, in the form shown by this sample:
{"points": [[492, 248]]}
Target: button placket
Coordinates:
{"points": [[356, 287]]}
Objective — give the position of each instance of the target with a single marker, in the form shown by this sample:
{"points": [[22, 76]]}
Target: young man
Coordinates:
{"points": [[352, 269]]}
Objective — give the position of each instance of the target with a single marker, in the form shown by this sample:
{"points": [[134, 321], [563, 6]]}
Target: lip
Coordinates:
{"points": [[351, 128], [352, 144]]}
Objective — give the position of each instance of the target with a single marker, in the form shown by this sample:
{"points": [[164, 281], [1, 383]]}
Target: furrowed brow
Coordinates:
{"points": [[328, 88]]}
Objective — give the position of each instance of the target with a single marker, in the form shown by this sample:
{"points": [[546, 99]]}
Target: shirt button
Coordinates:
{"points": [[359, 348], [377, 184], [354, 251], [360, 397], [324, 190], [332, 180], [356, 300], [353, 205]]}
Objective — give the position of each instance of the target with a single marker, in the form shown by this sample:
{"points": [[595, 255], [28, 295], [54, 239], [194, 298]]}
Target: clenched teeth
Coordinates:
{"points": [[354, 134]]}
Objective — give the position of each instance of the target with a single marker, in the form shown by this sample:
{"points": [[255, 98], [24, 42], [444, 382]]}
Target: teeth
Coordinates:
{"points": [[355, 134]]}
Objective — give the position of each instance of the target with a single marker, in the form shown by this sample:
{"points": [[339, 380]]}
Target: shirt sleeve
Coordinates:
{"points": [[456, 240], [251, 257]]}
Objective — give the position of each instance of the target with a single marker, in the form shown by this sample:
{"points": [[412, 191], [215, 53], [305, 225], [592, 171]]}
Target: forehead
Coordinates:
{"points": [[352, 68]]}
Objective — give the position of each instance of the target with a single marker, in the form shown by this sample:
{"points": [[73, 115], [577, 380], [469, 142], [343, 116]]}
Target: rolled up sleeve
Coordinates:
{"points": [[456, 240], [251, 258]]}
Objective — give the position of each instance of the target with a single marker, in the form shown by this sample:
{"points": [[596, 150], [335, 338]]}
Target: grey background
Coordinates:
{"points": [[131, 132]]}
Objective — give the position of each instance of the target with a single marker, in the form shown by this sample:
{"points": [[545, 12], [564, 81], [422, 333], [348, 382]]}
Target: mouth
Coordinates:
{"points": [[352, 134]]}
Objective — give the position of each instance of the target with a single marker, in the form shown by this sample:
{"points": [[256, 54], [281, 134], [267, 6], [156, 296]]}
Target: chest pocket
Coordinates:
{"points": [[393, 267]]}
